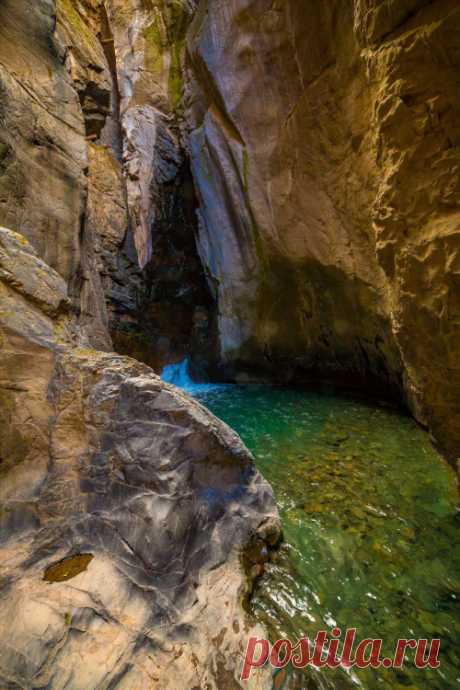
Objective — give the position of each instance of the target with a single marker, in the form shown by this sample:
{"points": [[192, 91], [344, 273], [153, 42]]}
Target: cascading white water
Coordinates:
{"points": [[179, 375]]}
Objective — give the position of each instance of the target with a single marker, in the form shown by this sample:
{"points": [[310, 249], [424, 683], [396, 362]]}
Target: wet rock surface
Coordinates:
{"points": [[125, 510]]}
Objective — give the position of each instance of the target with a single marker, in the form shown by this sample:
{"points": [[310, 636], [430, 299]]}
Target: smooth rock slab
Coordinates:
{"points": [[99, 457]]}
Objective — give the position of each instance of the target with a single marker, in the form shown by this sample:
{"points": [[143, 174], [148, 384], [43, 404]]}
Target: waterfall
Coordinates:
{"points": [[179, 375]]}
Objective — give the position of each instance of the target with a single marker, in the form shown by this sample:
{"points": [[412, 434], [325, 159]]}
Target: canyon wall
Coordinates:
{"points": [[324, 140], [272, 187], [312, 149], [93, 173]]}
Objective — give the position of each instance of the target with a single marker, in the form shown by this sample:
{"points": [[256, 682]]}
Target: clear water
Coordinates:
{"points": [[370, 522]]}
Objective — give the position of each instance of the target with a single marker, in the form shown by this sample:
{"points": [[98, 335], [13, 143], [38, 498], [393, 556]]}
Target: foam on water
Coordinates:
{"points": [[179, 375]]}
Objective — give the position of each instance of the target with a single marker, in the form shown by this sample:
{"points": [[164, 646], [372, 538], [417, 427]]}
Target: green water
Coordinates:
{"points": [[370, 523]]}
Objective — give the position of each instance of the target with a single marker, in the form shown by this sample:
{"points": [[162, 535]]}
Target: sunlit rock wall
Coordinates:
{"points": [[324, 140], [42, 147]]}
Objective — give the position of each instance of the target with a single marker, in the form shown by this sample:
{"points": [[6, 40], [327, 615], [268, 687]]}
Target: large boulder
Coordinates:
{"points": [[125, 510]]}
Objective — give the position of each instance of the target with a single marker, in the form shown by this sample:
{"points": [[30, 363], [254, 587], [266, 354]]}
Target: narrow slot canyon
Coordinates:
{"points": [[229, 343]]}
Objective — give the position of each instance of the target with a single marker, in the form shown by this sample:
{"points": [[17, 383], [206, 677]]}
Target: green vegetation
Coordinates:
{"points": [[67, 12], [167, 33], [176, 34], [154, 47]]}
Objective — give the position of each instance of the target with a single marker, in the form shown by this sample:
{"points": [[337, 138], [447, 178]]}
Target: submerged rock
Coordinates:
{"points": [[125, 507]]}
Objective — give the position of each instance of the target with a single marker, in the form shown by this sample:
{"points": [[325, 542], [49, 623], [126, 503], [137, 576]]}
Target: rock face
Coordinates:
{"points": [[175, 310], [328, 205], [314, 151], [125, 508], [92, 169], [324, 140], [42, 147]]}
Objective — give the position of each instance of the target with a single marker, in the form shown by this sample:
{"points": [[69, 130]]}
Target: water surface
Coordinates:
{"points": [[370, 523]]}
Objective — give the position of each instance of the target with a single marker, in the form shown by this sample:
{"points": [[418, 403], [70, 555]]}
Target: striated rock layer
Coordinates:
{"points": [[324, 139], [125, 509], [93, 173]]}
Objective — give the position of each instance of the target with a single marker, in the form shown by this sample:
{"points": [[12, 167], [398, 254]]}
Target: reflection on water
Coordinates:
{"points": [[370, 524]]}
